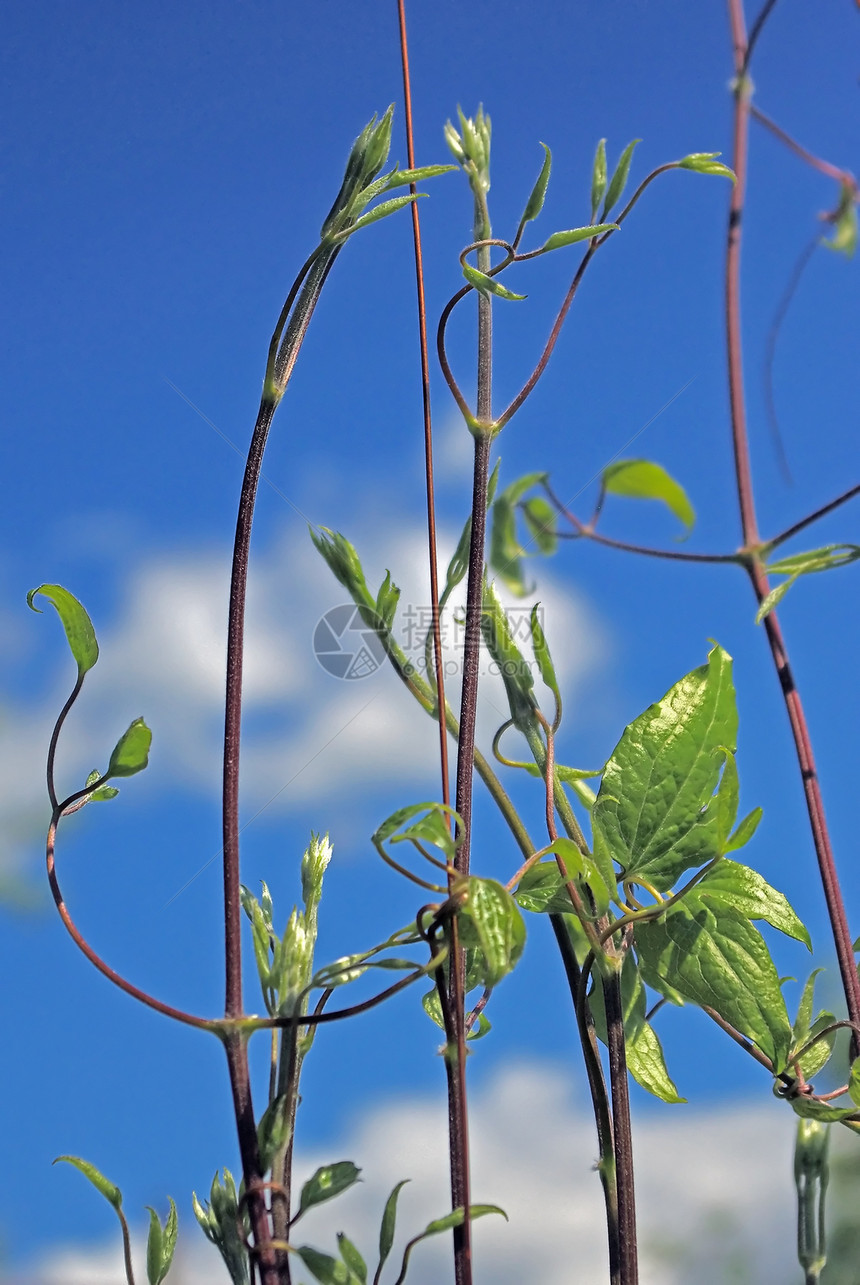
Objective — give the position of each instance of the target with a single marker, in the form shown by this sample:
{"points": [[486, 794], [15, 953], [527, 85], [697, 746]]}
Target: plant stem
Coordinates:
{"points": [[800, 731], [622, 1132]]}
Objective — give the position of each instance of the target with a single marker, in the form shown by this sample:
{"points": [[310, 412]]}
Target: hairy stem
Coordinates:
{"points": [[622, 1132]]}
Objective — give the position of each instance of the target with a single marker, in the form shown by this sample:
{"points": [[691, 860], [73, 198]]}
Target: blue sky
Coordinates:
{"points": [[167, 172]]}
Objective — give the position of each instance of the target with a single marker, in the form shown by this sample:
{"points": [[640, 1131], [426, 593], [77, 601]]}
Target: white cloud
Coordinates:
{"points": [[164, 656], [713, 1188]]}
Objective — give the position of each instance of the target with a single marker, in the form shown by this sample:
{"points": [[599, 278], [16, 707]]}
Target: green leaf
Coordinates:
{"points": [[160, 1245], [534, 205], [489, 920], [328, 1181], [131, 752], [854, 1082], [711, 954], [380, 212], [774, 598], [273, 1131], [542, 891], [75, 621], [352, 1257], [844, 239], [541, 520], [598, 177], [737, 885], [429, 826], [586, 873], [745, 830], [654, 810], [706, 163], [488, 285], [399, 178], [387, 1226], [324, 1268], [454, 1219], [516, 674], [542, 655], [644, 480], [827, 558], [645, 1060], [810, 1109], [110, 1192], [560, 239], [618, 182]]}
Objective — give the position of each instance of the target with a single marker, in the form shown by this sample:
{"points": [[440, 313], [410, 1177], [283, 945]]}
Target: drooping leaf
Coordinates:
{"points": [[489, 920], [618, 182], [811, 1109], [598, 177], [447, 1223], [160, 1244], [516, 674], [645, 480], [77, 624], [706, 163], [541, 521], [844, 238], [102, 1184], [131, 752], [542, 654], [488, 285], [328, 1181], [573, 235], [655, 810], [645, 1060], [711, 954]]}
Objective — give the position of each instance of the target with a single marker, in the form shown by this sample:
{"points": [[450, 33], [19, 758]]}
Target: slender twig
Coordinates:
{"points": [[758, 578], [823, 167], [770, 353], [813, 517], [425, 398]]}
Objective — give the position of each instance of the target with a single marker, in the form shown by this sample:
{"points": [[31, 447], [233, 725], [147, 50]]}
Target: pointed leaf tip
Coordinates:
{"points": [[131, 752], [76, 622]]}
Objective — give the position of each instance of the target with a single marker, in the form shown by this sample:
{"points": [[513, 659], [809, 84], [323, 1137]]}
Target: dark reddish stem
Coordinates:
{"points": [[800, 731]]}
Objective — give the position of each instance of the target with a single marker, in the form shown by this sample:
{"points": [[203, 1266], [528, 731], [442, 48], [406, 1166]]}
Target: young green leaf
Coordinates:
{"points": [[618, 182], [717, 959], [706, 163], [324, 1268], [542, 522], [534, 205], [399, 178], [380, 212], [131, 752], [387, 1226], [160, 1244], [559, 240], [273, 1131], [489, 920], [488, 285], [744, 831], [542, 655], [854, 1082], [328, 1181], [598, 177], [844, 239], [645, 1060], [827, 558], [77, 624], [108, 1189], [824, 1112], [352, 1258], [644, 480], [655, 810], [447, 1223], [515, 672], [774, 598], [737, 885]]}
